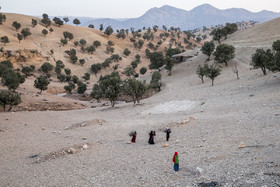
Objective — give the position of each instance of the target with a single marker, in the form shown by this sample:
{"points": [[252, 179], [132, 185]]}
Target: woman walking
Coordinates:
{"points": [[176, 161], [151, 138], [134, 134]]}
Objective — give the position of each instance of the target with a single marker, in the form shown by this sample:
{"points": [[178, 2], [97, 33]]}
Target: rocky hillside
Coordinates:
{"points": [[37, 48]]}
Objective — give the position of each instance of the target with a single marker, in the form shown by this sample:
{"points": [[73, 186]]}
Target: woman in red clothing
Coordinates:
{"points": [[176, 161]]}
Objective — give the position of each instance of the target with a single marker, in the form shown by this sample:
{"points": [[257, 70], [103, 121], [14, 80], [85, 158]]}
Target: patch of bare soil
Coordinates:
{"points": [[62, 152], [86, 124]]}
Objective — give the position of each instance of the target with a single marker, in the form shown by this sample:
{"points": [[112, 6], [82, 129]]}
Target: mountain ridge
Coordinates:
{"points": [[202, 15]]}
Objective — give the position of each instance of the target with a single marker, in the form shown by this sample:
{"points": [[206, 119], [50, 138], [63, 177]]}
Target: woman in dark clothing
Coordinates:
{"points": [[133, 140], [168, 131], [152, 135]]}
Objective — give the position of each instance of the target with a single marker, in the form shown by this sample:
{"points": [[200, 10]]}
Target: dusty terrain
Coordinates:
{"points": [[228, 134]]}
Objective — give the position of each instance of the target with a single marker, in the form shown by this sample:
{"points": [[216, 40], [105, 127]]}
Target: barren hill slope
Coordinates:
{"points": [[260, 36], [226, 134]]}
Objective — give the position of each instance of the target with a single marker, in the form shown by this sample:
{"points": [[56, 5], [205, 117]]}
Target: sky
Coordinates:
{"points": [[122, 8]]}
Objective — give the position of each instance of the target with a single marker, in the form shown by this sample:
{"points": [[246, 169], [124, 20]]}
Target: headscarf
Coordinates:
{"points": [[175, 154]]}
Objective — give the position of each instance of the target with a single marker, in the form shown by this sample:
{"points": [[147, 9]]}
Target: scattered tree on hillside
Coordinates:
{"points": [[95, 68], [58, 21], [126, 52], [60, 64], [157, 60], [25, 32], [16, 25], [61, 77], [169, 62], [82, 61], [101, 27], [4, 65], [5, 39], [143, 70], [68, 35], [172, 51], [261, 58], [27, 70], [129, 71], [57, 70], [19, 37], [67, 71], [2, 18], [8, 98], [83, 42], [90, 49], [156, 81], [51, 30], [208, 49], [115, 57], [111, 86], [11, 79], [76, 22], [155, 28], [274, 64], [41, 83], [70, 87], [96, 43], [46, 20], [134, 88], [45, 32], [34, 22], [217, 34], [82, 87], [75, 79], [86, 76], [201, 71], [91, 26], [66, 19], [109, 49], [64, 41], [121, 34], [108, 31], [212, 72], [96, 92], [110, 43], [224, 53], [46, 68], [230, 28], [134, 64]]}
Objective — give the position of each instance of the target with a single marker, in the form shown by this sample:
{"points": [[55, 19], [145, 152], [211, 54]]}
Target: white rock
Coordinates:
{"points": [[200, 170], [85, 146]]}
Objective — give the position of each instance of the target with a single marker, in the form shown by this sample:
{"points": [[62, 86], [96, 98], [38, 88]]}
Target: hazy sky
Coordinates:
{"points": [[122, 8]]}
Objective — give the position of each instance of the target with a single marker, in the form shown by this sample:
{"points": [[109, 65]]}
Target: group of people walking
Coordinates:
{"points": [[152, 135]]}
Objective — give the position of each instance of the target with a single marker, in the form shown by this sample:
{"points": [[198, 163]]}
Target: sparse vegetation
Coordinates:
{"points": [[41, 83], [5, 40], [208, 48], [8, 98], [169, 62], [134, 88], [212, 72], [224, 53], [16, 25], [76, 21]]}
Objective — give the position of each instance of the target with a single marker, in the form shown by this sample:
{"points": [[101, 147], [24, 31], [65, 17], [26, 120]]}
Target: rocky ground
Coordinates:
{"points": [[227, 134]]}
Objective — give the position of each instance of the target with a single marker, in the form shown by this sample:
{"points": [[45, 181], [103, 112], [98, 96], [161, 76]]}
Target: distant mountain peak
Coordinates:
{"points": [[204, 6], [203, 15]]}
